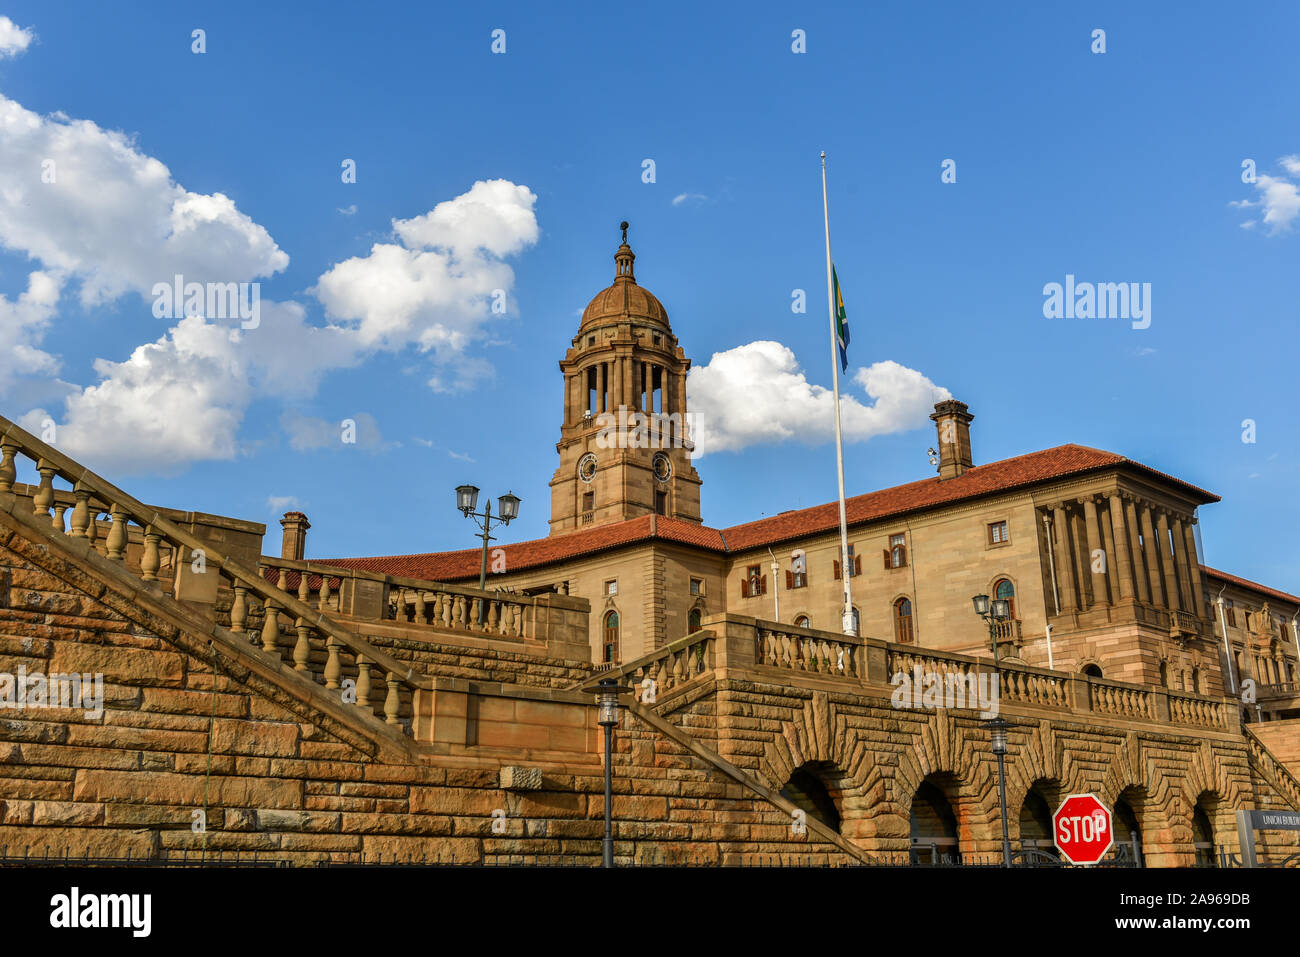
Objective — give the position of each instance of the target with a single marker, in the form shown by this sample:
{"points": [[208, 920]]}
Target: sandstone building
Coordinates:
{"points": [[357, 707]]}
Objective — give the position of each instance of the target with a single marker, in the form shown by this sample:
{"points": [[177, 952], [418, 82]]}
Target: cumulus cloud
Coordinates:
{"points": [[13, 38], [437, 286], [83, 200], [1278, 198], [756, 393], [22, 326]]}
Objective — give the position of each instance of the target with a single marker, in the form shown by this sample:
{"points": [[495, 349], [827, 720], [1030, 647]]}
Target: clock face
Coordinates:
{"points": [[587, 467], [663, 468]]}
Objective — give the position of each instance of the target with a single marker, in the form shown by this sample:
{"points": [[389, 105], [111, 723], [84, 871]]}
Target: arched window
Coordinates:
{"points": [[1196, 681], [802, 622], [857, 622], [611, 636], [1092, 671], [693, 621], [1164, 674], [1004, 589], [903, 621]]}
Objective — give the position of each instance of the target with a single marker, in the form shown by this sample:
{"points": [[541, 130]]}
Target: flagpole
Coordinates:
{"points": [[846, 569]]}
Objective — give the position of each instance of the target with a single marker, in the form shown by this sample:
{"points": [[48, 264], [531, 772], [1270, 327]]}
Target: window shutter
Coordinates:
{"points": [[857, 564], [789, 579], [837, 571], [887, 561], [762, 585], [744, 588], [904, 554]]}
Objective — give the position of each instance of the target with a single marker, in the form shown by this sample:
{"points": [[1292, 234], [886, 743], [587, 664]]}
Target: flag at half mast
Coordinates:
{"points": [[841, 323]]}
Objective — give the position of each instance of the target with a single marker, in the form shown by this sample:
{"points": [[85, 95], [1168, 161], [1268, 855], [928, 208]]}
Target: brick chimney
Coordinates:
{"points": [[953, 418], [294, 543]]}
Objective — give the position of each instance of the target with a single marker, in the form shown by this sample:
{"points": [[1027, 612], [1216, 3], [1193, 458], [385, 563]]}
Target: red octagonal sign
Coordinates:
{"points": [[1082, 829]]}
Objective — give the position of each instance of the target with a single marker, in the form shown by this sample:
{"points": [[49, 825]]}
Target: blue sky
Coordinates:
{"points": [[1120, 166]]}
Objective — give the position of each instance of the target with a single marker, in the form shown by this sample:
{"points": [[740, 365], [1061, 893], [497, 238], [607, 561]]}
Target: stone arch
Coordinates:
{"points": [[817, 788], [1207, 835], [1090, 666], [1033, 823], [933, 831]]}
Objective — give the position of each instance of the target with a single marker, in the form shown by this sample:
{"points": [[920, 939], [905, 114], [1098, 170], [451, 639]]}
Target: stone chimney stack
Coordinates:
{"points": [[953, 420], [294, 543]]}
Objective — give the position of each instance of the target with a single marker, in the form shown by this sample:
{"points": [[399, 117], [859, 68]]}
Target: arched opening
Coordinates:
{"points": [[801, 621], [1092, 671], [1127, 828], [1203, 830], [903, 621], [857, 622], [807, 791], [1004, 589], [1036, 820], [611, 636], [1196, 681], [693, 621], [1164, 674], [933, 826]]}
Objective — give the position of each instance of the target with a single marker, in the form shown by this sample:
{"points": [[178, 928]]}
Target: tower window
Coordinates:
{"points": [[661, 503], [697, 586], [754, 583], [903, 621], [998, 533], [611, 636], [896, 553]]}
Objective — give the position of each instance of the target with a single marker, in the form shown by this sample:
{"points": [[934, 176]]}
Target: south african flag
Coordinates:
{"points": [[841, 324]]}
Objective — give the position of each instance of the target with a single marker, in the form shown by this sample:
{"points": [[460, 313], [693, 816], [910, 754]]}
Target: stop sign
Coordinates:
{"points": [[1082, 829]]}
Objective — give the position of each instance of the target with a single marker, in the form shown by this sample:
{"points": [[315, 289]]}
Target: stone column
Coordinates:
{"points": [[1180, 559], [1064, 563], [602, 384], [647, 381], [1131, 529], [1099, 593], [1123, 563], [1167, 560], [1152, 550], [617, 398], [1194, 570]]}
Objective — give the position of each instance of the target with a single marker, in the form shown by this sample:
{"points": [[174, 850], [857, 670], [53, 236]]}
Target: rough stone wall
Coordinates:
{"points": [[284, 780]]}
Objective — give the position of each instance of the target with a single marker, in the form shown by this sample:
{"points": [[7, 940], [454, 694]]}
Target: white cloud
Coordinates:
{"points": [[280, 504], [113, 217], [308, 433], [436, 287], [22, 326], [696, 199], [348, 210], [756, 393], [461, 457], [1279, 198], [13, 38]]}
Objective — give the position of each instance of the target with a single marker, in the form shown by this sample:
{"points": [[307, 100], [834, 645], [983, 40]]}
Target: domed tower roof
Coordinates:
{"points": [[624, 299]]}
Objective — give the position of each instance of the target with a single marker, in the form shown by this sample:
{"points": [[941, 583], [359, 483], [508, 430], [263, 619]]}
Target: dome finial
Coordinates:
{"points": [[623, 258]]}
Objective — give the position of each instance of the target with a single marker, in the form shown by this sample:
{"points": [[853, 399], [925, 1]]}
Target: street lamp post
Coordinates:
{"points": [[607, 692], [993, 612], [998, 730], [507, 510]]}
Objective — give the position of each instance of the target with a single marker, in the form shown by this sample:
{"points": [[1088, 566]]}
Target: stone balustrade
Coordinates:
{"points": [[365, 598], [1274, 770], [740, 646], [169, 557], [664, 669]]}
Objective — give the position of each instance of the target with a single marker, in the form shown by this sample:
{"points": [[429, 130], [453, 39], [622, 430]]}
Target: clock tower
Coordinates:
{"points": [[625, 443]]}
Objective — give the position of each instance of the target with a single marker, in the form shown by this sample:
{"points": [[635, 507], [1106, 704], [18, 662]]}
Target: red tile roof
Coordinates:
{"points": [[1248, 584], [996, 477]]}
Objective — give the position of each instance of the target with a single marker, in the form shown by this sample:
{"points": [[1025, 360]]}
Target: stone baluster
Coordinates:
{"points": [[677, 675], [92, 528], [44, 496], [80, 519], [239, 609], [324, 603], [420, 618], [458, 612], [271, 622], [8, 471], [476, 614], [117, 535], [494, 616], [149, 560], [393, 703], [302, 648], [363, 683], [333, 665], [304, 587]]}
